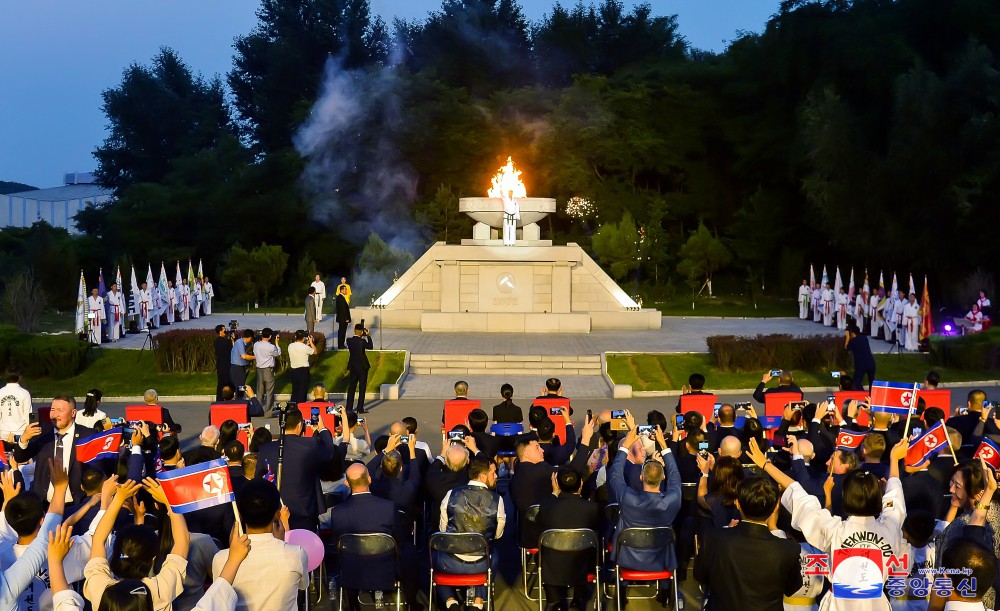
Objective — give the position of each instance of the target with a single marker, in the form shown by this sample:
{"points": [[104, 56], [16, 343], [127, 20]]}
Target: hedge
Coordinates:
{"points": [[37, 356], [757, 354], [193, 351], [974, 351]]}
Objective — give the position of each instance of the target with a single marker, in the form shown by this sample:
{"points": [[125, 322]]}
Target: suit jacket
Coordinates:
{"points": [[966, 425], [303, 458], [645, 509], [568, 511], [401, 490], [747, 568], [357, 361], [759, 392], [223, 346], [438, 481], [489, 444], [200, 454], [310, 308], [366, 513], [237, 478], [343, 310], [532, 485], [42, 448]]}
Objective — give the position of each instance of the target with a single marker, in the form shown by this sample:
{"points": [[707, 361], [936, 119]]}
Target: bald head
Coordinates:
{"points": [[806, 449], [882, 419], [730, 446], [397, 428], [210, 436], [357, 478], [457, 457]]}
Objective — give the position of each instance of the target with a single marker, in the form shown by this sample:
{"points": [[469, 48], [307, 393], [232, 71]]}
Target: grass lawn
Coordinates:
{"points": [[649, 372], [126, 373], [729, 306]]}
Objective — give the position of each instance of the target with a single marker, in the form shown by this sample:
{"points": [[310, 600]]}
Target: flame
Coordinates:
{"points": [[507, 179]]}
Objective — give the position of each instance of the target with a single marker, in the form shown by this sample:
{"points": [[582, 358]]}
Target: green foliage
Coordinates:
{"points": [[702, 255], [55, 356], [756, 354], [974, 351], [23, 302], [617, 246], [303, 275], [441, 217], [250, 275], [51, 256]]}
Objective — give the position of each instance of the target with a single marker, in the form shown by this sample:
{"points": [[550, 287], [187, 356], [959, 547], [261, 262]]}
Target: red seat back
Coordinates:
{"points": [[703, 403], [937, 397], [774, 406], [456, 412], [220, 412], [330, 421], [548, 403], [146, 413], [858, 395], [43, 415]]}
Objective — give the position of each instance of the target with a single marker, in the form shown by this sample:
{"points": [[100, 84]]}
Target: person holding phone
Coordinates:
{"points": [[55, 441], [785, 384], [358, 366]]}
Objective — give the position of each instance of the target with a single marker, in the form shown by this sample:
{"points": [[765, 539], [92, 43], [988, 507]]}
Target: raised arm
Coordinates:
{"points": [[104, 527], [178, 526]]}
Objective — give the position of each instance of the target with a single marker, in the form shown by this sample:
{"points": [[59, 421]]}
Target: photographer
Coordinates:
{"points": [[358, 366], [264, 352], [223, 346], [239, 358], [298, 356]]}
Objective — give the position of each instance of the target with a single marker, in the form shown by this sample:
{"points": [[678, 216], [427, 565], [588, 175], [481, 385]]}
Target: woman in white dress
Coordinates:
{"points": [[91, 413]]}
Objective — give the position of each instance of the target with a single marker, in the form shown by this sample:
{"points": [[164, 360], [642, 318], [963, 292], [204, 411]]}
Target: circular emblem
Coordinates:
{"points": [[906, 398], [986, 453], [506, 282], [930, 441], [848, 440], [212, 483]]}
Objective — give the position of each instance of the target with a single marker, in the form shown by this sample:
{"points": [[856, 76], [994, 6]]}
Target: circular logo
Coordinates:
{"points": [[986, 453], [930, 441], [506, 282], [848, 440], [906, 398], [212, 483]]}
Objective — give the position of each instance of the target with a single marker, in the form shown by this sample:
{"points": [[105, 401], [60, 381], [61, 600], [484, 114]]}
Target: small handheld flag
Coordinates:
{"points": [[197, 487], [4, 464], [894, 397], [849, 440], [100, 446], [990, 452], [924, 448], [268, 475]]}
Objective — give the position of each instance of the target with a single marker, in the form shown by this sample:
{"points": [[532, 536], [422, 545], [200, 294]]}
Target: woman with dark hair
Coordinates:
{"points": [[507, 411], [719, 496], [91, 413], [874, 521], [261, 436], [133, 556], [228, 431]]}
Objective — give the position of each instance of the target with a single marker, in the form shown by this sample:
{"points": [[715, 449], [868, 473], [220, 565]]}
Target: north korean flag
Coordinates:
{"points": [[4, 465], [849, 440], [100, 446], [924, 448], [894, 397], [990, 452], [197, 487]]}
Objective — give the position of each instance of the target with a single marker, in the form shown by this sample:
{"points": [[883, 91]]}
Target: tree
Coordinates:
{"points": [[379, 266], [252, 274], [158, 113], [23, 301], [617, 246], [701, 256], [441, 217]]}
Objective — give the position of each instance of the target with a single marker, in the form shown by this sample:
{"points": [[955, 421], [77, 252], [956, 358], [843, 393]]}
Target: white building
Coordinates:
{"points": [[56, 206]]}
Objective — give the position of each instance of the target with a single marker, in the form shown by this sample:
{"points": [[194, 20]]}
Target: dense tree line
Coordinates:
{"points": [[857, 132]]}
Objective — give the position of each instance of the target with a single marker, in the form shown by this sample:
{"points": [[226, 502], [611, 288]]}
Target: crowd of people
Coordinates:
{"points": [[801, 517]]}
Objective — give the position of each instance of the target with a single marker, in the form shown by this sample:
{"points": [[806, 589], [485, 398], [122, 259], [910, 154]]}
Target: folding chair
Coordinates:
{"points": [[508, 432], [570, 540], [409, 523], [703, 403], [611, 513], [473, 544], [220, 412], [653, 538], [527, 552], [359, 548]]}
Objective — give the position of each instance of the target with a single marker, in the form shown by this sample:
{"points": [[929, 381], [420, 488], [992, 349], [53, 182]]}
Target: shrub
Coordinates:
{"points": [[743, 354], [193, 351], [38, 356], [974, 351]]}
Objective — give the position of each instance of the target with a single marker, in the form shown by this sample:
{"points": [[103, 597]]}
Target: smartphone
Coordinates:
{"points": [[332, 409], [743, 405], [679, 420], [645, 429], [241, 388], [617, 414], [779, 441], [32, 417], [618, 420], [246, 426], [404, 439], [590, 415], [17, 439], [361, 420], [115, 421], [715, 410], [456, 436], [555, 411], [703, 446], [775, 373], [916, 431], [314, 416], [835, 374], [798, 405], [135, 424]]}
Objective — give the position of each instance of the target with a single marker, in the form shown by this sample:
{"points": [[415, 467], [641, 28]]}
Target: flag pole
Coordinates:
{"points": [[909, 412], [950, 447], [239, 520]]}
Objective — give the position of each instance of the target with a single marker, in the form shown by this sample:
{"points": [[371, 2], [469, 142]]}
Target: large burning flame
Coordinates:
{"points": [[507, 179]]}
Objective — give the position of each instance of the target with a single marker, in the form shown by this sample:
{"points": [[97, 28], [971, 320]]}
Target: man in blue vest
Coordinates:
{"points": [[475, 507]]}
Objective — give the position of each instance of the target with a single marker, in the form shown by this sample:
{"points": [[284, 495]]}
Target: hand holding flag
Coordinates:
{"points": [[196, 487], [989, 451], [850, 440], [102, 445], [925, 447]]}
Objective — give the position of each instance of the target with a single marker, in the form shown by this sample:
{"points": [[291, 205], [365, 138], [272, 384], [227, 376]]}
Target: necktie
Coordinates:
{"points": [[58, 456]]}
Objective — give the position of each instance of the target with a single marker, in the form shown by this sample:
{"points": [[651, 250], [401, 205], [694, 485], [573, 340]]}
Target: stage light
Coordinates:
{"points": [[947, 328]]}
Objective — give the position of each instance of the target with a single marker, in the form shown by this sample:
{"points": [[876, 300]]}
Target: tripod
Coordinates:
{"points": [[149, 341], [92, 336]]}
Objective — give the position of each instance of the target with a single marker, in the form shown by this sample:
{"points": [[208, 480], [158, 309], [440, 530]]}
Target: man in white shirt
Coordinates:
{"points": [[298, 356], [264, 353], [184, 299], [196, 298], [208, 294], [320, 296], [95, 316], [15, 405], [274, 571], [116, 302], [145, 306], [804, 298], [171, 302]]}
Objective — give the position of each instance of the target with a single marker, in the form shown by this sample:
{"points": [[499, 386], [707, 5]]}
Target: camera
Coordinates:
{"points": [[743, 405], [332, 409], [555, 411], [775, 373], [404, 439], [456, 436], [835, 374], [703, 449], [246, 426], [645, 429], [798, 405]]}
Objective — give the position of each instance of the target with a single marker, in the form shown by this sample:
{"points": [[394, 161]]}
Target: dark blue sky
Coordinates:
{"points": [[57, 56]]}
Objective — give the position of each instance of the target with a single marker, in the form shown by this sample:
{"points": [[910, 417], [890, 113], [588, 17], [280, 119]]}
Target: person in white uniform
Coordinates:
{"points": [[827, 298], [15, 405], [320, 296], [96, 316], [116, 303], [911, 323], [511, 215], [209, 294], [184, 300], [197, 296], [145, 306], [171, 302], [804, 297], [842, 302]]}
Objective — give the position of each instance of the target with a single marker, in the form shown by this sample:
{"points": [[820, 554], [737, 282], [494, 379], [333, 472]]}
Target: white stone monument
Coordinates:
{"points": [[530, 286]]}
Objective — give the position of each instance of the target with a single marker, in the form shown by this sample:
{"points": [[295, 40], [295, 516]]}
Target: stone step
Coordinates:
{"points": [[543, 373], [505, 364]]}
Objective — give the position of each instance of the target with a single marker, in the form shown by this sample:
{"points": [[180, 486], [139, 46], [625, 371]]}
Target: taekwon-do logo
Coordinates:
{"points": [[857, 573], [505, 282], [212, 483]]}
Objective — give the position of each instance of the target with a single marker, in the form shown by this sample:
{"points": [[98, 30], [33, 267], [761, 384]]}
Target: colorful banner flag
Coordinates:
{"points": [[826, 278], [924, 448], [197, 487], [812, 277], [893, 397], [100, 446], [200, 274], [161, 288], [134, 303], [865, 289], [990, 452], [102, 290], [850, 440], [4, 465], [268, 475], [926, 319], [837, 282], [881, 280], [850, 287], [895, 286], [190, 276], [81, 306], [177, 279], [911, 288]]}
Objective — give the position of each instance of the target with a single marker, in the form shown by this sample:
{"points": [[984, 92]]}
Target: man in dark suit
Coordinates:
{"points": [[358, 366], [311, 311], [233, 452], [648, 508], [342, 314], [726, 427], [479, 420], [966, 423], [746, 567], [785, 384], [223, 346], [303, 458], [560, 570], [445, 472], [255, 408], [389, 483], [58, 442], [364, 512]]}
